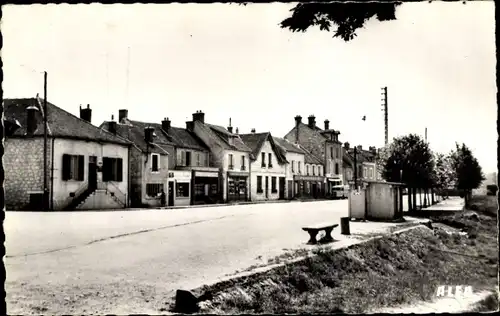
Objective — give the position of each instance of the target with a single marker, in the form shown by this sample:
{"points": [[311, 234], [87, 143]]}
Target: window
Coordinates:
{"points": [[331, 152], [153, 189], [273, 185], [319, 171], [243, 166], [182, 189], [73, 167], [293, 165], [181, 158], [360, 172], [371, 173], [188, 158], [299, 167], [263, 162], [337, 152], [259, 184], [198, 159], [307, 169], [314, 170], [231, 165], [364, 171], [336, 168], [155, 162], [270, 160], [112, 169]]}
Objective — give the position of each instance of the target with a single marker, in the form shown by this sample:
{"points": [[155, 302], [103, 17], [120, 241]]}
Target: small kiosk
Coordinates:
{"points": [[376, 200]]}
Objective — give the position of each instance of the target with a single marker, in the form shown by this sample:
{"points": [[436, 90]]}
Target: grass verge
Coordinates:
{"points": [[398, 269]]}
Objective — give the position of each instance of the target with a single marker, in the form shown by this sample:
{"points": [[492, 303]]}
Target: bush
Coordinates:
{"points": [[492, 189]]}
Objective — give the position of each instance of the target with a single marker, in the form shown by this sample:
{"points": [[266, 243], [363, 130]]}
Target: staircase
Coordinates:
{"points": [[100, 199], [79, 198]]}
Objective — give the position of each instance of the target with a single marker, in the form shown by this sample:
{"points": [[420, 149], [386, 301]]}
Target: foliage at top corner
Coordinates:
{"points": [[347, 17]]}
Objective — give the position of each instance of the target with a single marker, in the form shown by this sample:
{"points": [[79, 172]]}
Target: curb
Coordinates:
{"points": [[228, 281]]}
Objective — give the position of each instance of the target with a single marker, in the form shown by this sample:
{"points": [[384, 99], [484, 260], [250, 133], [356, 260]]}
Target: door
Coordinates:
{"points": [[282, 188], [290, 189], [92, 176], [267, 187], [171, 193]]}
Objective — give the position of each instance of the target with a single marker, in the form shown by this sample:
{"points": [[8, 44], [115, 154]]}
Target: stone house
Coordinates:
{"points": [[191, 180], [228, 153], [296, 160], [322, 143], [311, 181], [366, 162], [268, 166], [149, 159], [86, 167]]}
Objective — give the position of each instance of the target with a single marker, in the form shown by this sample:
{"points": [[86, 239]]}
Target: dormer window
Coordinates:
{"points": [[230, 140]]}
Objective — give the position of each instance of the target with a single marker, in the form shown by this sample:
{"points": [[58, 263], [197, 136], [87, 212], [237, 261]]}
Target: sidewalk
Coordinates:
{"points": [[453, 204]]}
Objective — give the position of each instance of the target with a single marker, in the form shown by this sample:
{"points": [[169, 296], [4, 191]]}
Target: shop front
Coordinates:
{"points": [[205, 185], [309, 186], [179, 187], [237, 186], [333, 183]]}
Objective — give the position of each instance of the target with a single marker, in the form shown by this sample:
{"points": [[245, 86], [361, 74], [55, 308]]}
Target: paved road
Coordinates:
{"points": [[129, 261]]}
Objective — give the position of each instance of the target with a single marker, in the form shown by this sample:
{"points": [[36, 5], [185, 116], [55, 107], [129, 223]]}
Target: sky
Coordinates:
{"points": [[437, 61]]}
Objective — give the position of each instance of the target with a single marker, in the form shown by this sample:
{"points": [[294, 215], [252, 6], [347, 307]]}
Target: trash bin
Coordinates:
{"points": [[344, 226]]}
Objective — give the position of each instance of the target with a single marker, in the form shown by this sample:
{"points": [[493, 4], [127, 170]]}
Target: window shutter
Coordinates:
{"points": [[105, 169], [119, 167], [183, 158], [66, 167], [81, 167]]}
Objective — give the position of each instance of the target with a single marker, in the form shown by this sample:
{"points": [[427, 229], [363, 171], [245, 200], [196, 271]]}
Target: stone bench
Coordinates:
{"points": [[313, 231]]}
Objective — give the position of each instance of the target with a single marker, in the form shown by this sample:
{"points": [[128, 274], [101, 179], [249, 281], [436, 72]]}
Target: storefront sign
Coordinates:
{"points": [[308, 178], [237, 174], [207, 174]]}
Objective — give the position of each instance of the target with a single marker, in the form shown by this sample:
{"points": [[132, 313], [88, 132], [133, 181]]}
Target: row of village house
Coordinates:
{"points": [[127, 163]]}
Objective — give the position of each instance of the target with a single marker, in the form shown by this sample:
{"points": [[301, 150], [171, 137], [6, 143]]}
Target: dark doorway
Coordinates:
{"points": [[314, 189], [290, 189], [188, 158], [171, 193], [92, 173], [282, 188], [267, 187]]}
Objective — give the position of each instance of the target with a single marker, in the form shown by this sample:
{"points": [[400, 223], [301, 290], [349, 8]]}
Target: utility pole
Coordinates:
{"points": [[426, 134], [45, 182], [386, 114], [355, 169]]}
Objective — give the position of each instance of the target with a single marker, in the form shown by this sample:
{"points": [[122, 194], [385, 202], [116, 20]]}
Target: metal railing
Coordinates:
{"points": [[77, 193], [117, 194]]}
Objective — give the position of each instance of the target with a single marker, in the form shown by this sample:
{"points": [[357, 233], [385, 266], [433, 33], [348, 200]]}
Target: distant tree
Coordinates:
{"points": [[444, 172], [409, 160], [491, 189], [469, 174], [342, 18]]}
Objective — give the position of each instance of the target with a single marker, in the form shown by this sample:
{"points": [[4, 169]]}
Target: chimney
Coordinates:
{"points": [[190, 126], [298, 120], [31, 120], [122, 114], [165, 125], [346, 145], [199, 116], [327, 125], [253, 130], [311, 121], [373, 150], [86, 113], [237, 132], [148, 134], [230, 128], [112, 125], [360, 147]]}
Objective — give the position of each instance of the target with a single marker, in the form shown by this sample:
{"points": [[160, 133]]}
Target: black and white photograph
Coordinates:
{"points": [[250, 158]]}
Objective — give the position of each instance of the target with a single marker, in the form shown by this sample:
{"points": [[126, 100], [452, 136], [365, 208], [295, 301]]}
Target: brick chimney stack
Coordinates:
{"points": [[122, 114], [311, 121], [165, 125], [253, 130], [86, 113], [199, 116], [230, 128], [327, 125], [347, 145], [112, 125]]}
